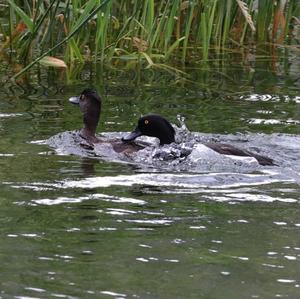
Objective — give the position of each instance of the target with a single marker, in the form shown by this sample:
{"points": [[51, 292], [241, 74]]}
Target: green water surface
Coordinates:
{"points": [[145, 241]]}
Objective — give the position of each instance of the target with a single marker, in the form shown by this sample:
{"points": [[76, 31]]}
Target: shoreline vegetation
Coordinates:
{"points": [[154, 34]]}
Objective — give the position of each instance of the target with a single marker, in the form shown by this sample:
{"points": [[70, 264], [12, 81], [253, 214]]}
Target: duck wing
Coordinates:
{"points": [[128, 147], [227, 149]]}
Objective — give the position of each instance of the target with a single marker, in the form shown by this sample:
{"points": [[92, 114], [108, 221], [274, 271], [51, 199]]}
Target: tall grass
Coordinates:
{"points": [[153, 31]]}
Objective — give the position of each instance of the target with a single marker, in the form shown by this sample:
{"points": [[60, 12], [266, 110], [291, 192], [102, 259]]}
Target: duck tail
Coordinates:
{"points": [[265, 161]]}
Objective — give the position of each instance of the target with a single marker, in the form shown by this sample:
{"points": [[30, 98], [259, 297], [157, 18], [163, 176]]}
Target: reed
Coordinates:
{"points": [[146, 31]]}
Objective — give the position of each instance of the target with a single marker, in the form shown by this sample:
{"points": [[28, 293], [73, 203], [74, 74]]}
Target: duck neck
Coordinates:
{"points": [[88, 134], [90, 121]]}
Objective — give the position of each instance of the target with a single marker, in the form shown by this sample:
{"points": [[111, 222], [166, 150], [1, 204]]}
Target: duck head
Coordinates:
{"points": [[90, 105], [154, 126]]}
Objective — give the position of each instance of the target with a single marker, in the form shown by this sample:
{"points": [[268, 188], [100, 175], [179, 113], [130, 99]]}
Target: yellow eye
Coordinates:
{"points": [[146, 122]]}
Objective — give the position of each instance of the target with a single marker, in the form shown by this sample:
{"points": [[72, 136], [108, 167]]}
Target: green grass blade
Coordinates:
{"points": [[74, 31], [74, 47], [188, 29], [174, 46], [88, 8], [25, 18]]}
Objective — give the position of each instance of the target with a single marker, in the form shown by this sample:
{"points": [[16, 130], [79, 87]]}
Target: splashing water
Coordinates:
{"points": [[189, 155]]}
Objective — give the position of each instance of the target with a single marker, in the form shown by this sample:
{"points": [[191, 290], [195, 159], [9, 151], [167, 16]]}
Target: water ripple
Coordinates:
{"points": [[258, 121], [113, 294], [5, 115], [104, 197], [269, 98], [179, 181]]}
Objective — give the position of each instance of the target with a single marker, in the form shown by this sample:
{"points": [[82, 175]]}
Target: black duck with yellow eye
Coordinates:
{"points": [[157, 126], [154, 126]]}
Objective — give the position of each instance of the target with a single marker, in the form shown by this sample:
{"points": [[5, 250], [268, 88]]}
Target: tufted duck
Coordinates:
{"points": [[157, 126]]}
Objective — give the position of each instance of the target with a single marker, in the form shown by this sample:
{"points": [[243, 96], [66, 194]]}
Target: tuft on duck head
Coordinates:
{"points": [[90, 105], [153, 125]]}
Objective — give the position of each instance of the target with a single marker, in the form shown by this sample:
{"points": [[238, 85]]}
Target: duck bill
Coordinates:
{"points": [[133, 135], [74, 100]]}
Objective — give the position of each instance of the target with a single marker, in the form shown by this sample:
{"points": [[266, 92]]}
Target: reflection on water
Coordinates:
{"points": [[78, 227]]}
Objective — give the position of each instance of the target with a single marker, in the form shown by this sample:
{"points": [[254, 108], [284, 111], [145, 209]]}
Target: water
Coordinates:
{"points": [[84, 227]]}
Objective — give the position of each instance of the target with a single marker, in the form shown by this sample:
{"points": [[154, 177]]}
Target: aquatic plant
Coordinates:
{"points": [[150, 32]]}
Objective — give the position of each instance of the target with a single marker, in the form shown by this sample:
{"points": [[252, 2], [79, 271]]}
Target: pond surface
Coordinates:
{"points": [[78, 227]]}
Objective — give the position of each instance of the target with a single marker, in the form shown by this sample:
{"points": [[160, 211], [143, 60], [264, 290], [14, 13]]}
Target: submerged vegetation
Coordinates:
{"points": [[155, 33]]}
